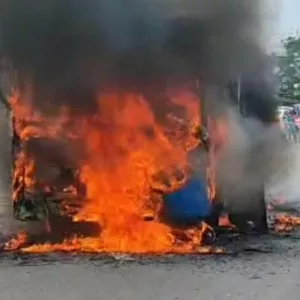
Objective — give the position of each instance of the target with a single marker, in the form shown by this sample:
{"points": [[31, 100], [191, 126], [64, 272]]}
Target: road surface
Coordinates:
{"points": [[271, 275], [265, 276]]}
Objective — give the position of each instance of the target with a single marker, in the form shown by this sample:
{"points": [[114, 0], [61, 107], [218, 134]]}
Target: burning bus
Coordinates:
{"points": [[115, 143], [163, 173]]}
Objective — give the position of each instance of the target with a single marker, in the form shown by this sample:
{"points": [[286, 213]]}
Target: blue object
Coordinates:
{"points": [[188, 204]]}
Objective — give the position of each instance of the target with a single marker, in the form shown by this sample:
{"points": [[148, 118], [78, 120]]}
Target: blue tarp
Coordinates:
{"points": [[189, 203]]}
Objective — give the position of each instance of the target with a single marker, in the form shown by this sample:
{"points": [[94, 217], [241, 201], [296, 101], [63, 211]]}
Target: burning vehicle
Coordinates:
{"points": [[50, 186], [115, 145], [180, 193]]}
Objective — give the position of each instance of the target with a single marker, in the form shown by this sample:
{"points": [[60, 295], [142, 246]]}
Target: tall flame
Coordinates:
{"points": [[128, 155]]}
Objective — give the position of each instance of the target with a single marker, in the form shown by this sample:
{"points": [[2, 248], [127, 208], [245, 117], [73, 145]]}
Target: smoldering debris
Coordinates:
{"points": [[70, 49], [283, 186]]}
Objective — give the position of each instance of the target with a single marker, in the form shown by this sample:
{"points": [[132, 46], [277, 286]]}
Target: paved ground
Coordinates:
{"points": [[265, 276], [247, 274]]}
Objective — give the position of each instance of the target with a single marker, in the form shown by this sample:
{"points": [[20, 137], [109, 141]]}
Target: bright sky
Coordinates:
{"points": [[287, 22], [289, 19]]}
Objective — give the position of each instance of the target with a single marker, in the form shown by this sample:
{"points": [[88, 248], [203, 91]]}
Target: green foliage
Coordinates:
{"points": [[289, 69]]}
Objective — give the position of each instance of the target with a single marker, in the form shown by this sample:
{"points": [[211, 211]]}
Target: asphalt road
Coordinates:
{"points": [[273, 275], [265, 276]]}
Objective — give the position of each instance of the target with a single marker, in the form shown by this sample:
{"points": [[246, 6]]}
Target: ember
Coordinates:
{"points": [[16, 242], [285, 223]]}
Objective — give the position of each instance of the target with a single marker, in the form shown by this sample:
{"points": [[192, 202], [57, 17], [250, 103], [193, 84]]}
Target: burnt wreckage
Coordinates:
{"points": [[62, 198], [58, 199]]}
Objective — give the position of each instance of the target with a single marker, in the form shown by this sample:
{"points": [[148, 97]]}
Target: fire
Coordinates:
{"points": [[219, 135], [286, 223], [16, 242], [282, 221], [29, 124], [120, 174], [224, 221], [129, 159]]}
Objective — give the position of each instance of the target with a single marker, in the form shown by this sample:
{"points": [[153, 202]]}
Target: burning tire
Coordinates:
{"points": [[252, 217], [58, 229], [216, 210], [64, 228]]}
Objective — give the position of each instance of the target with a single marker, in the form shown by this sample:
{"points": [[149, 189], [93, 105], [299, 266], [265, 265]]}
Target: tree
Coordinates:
{"points": [[289, 69]]}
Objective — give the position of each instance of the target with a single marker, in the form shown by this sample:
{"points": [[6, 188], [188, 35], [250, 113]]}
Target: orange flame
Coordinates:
{"points": [[285, 223], [16, 242], [124, 159], [128, 155]]}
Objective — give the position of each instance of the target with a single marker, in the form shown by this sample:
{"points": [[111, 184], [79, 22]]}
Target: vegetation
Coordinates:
{"points": [[289, 69]]}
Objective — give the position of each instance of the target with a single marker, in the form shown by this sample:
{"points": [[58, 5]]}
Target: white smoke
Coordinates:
{"points": [[284, 182], [249, 160]]}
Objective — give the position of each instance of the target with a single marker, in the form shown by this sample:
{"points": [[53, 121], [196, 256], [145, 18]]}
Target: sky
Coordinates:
{"points": [[287, 22], [289, 17]]}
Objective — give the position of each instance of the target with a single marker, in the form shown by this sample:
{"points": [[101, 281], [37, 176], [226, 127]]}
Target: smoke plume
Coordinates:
{"points": [[69, 49]]}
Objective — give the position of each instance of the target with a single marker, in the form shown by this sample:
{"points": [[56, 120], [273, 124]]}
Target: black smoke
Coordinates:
{"points": [[255, 96], [71, 49]]}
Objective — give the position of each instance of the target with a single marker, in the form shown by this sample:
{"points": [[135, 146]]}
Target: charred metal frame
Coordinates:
{"points": [[238, 100], [258, 215]]}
